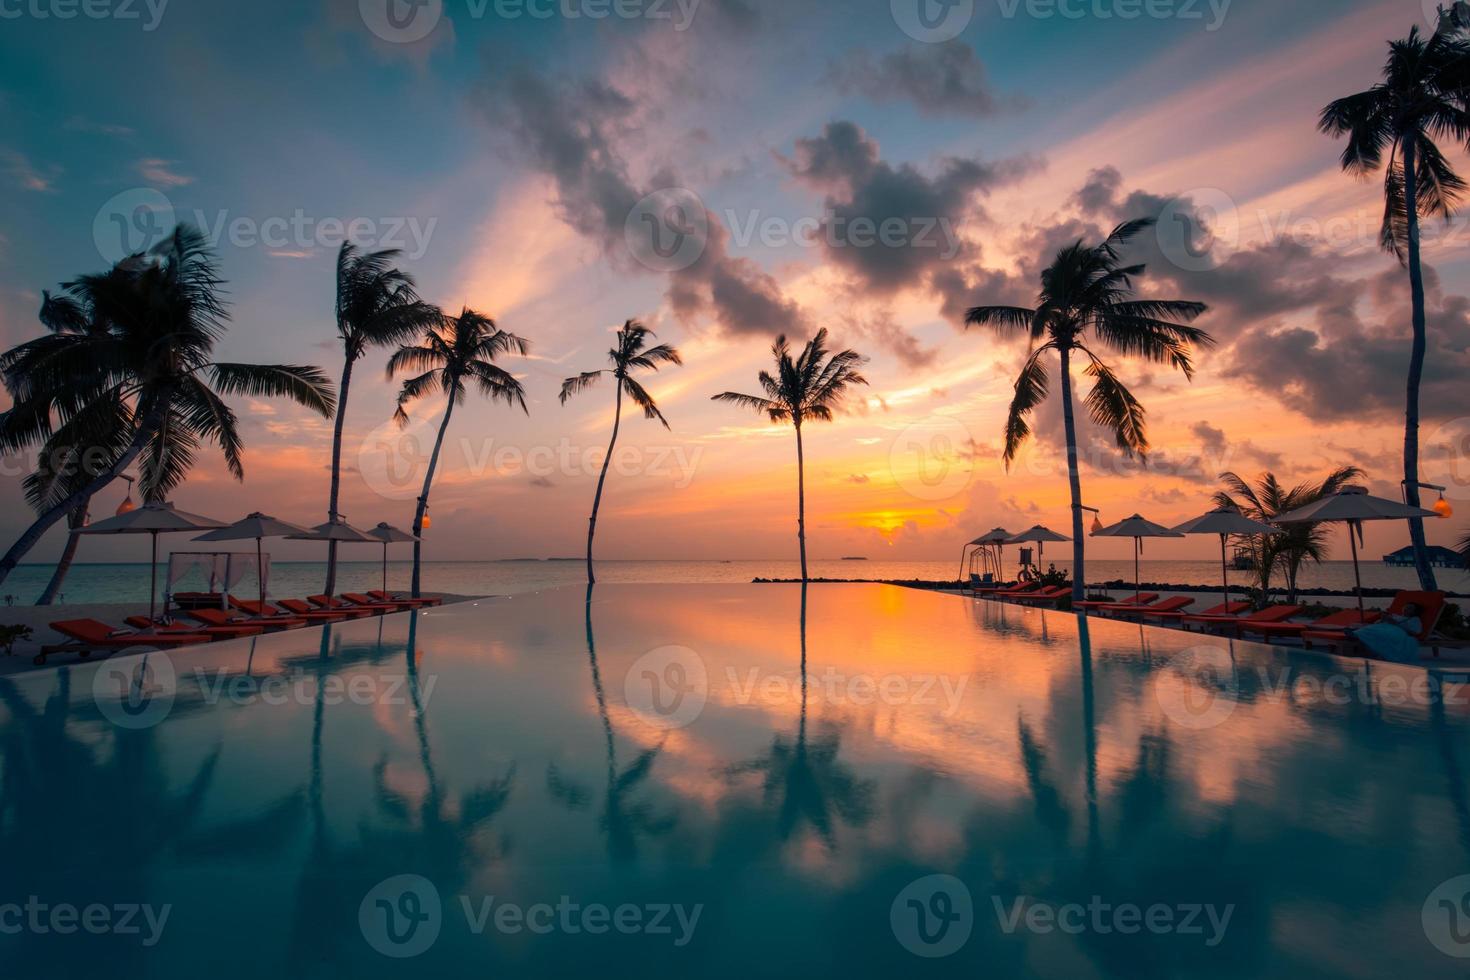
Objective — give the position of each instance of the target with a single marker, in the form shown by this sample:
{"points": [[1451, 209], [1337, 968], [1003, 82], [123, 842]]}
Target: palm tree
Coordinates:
{"points": [[629, 355], [455, 352], [808, 387], [1465, 547], [1299, 543], [377, 306], [1421, 98], [1088, 289], [121, 378]]}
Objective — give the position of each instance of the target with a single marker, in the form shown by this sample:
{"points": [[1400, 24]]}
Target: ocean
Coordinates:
{"points": [[128, 582]]}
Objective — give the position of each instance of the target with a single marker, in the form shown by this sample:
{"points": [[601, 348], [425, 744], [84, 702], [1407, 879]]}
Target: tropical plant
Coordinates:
{"points": [[377, 306], [807, 387], [455, 353], [1298, 544], [121, 378], [1465, 548], [629, 354], [1085, 298], [1422, 98]]}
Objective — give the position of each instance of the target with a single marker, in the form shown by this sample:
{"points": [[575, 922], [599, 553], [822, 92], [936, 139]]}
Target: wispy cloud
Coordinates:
{"points": [[162, 173], [21, 170], [81, 124]]}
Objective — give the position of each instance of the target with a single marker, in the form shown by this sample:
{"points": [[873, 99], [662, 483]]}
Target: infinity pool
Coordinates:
{"points": [[731, 781]]}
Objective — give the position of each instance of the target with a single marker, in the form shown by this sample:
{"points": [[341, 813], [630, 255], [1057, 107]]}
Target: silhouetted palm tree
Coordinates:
{"points": [[456, 351], [1465, 548], [629, 355], [123, 373], [1421, 98], [1086, 291], [808, 387], [1298, 543], [377, 306]]}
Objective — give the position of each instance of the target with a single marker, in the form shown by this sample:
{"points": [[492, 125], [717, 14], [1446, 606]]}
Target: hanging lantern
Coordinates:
{"points": [[127, 506], [427, 522], [1097, 524], [1442, 507]]}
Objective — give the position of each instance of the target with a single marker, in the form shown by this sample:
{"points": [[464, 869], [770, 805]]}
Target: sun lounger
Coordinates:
{"points": [[89, 635], [1050, 595], [1431, 604], [1141, 599], [378, 595], [254, 607], [1175, 615], [218, 619], [1234, 624], [299, 608], [327, 602], [1175, 604], [1342, 619], [358, 599], [215, 633]]}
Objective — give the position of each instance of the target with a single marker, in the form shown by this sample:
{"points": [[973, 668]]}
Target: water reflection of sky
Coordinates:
{"points": [[514, 755]]}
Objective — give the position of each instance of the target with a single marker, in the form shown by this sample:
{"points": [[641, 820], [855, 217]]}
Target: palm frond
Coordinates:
{"points": [[303, 384], [1111, 405], [578, 384], [1031, 389], [644, 400]]}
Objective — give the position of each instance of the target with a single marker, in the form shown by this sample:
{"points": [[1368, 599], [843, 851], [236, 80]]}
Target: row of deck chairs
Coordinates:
{"points": [[245, 618]]}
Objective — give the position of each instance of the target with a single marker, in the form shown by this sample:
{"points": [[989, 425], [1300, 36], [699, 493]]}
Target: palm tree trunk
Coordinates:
{"points": [[801, 502], [153, 420], [597, 498], [1074, 478], [336, 488], [1416, 372], [423, 506], [76, 521]]}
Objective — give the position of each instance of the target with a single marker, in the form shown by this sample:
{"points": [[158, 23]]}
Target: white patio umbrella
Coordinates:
{"points": [[1225, 521], [1039, 535], [1137, 528], [388, 534], [1353, 506], [992, 539], [338, 530], [257, 526], [153, 519]]}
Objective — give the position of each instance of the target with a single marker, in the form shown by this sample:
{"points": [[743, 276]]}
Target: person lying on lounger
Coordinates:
{"points": [[1394, 638]]}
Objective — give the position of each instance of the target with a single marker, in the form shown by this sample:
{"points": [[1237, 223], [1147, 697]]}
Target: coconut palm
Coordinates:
{"points": [[455, 352], [629, 355], [121, 378], [1465, 548], [377, 306], [807, 387], [1298, 543], [1421, 99], [1085, 300]]}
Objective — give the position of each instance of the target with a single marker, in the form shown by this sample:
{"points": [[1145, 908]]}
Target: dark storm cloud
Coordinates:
{"points": [[572, 132], [939, 79]]}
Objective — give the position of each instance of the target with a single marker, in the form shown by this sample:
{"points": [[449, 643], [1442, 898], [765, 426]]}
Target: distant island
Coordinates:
{"points": [[854, 558]]}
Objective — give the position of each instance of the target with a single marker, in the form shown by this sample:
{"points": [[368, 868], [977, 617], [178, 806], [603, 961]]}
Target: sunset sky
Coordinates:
{"points": [[508, 154]]}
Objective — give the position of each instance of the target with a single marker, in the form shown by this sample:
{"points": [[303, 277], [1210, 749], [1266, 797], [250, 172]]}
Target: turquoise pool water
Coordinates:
{"points": [[726, 781]]}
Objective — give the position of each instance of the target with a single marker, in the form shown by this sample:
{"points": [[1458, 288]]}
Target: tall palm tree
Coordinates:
{"points": [[455, 352], [807, 387], [377, 306], [121, 378], [1085, 299], [627, 356], [1298, 543], [1465, 547], [1422, 98]]}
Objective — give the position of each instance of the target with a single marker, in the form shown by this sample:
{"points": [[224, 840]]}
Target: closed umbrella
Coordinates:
{"points": [[1225, 521], [388, 534], [153, 519], [1137, 528], [256, 526], [1353, 506]]}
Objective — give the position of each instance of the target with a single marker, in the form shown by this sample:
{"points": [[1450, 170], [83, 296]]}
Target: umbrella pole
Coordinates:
{"points": [[260, 575], [1137, 575], [153, 577], [1224, 574], [385, 568], [1357, 572], [961, 577]]}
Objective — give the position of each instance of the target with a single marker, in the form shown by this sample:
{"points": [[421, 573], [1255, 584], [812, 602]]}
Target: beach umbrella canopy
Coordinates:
{"points": [[1225, 521], [1039, 535], [1353, 505], [334, 531], [256, 526], [153, 519], [388, 534], [1137, 527]]}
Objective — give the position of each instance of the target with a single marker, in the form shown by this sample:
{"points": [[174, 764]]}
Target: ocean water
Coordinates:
{"points": [[128, 582]]}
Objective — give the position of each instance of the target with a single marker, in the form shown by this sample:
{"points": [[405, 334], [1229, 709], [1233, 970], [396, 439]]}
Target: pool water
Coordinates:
{"points": [[733, 781]]}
